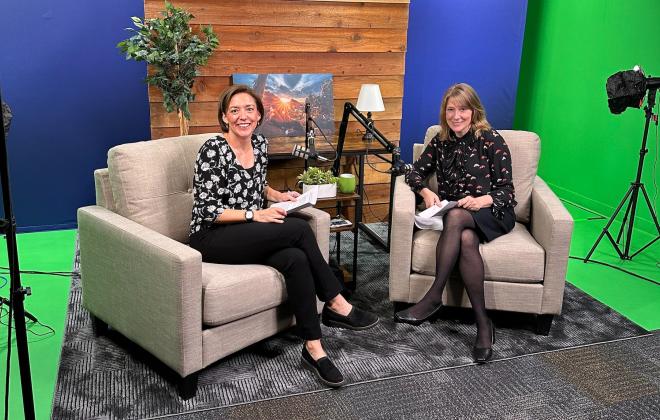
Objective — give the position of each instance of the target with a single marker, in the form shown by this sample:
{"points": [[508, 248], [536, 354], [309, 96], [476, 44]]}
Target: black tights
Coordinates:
{"points": [[459, 242]]}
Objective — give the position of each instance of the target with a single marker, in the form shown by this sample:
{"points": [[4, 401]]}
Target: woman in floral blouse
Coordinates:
{"points": [[473, 167], [231, 224]]}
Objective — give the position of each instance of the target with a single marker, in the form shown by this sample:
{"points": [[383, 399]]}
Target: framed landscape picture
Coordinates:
{"points": [[284, 97]]}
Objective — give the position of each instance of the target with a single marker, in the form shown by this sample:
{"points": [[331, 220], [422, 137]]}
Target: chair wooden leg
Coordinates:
{"points": [[543, 324], [188, 386], [98, 326]]}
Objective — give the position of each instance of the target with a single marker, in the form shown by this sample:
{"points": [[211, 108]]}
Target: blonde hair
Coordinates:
{"points": [[466, 96]]}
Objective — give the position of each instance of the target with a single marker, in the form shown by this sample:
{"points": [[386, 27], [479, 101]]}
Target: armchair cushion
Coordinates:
{"points": [[229, 291], [153, 185], [525, 148], [515, 257]]}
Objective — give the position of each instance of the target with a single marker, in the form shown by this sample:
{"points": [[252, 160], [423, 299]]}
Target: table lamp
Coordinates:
{"points": [[369, 100]]}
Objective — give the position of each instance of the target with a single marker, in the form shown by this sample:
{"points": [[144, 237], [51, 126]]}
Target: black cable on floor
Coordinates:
{"points": [[47, 273], [31, 320], [617, 268]]}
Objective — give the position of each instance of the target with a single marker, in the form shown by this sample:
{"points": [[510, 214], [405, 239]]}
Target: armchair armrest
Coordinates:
{"points": [[552, 226], [144, 284], [401, 235], [319, 221]]}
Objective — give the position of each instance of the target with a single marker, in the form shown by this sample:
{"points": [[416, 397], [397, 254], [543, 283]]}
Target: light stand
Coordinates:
{"points": [[398, 167], [633, 193], [17, 292]]}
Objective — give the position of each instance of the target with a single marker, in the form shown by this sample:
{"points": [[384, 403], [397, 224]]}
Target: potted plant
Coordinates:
{"points": [[324, 181], [174, 53]]}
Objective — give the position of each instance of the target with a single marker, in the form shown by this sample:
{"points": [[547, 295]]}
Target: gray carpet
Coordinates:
{"points": [[614, 380], [108, 377]]}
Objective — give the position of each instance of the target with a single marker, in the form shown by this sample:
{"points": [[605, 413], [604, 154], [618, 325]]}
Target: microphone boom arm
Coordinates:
{"points": [[350, 109], [398, 166]]}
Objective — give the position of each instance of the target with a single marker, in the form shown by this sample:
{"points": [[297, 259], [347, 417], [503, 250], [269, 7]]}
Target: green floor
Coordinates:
{"points": [[635, 298], [44, 251]]}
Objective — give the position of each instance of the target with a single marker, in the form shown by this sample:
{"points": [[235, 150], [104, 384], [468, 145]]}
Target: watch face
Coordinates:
{"points": [[249, 215]]}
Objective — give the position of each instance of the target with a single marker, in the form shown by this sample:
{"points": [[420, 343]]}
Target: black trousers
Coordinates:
{"points": [[290, 248]]}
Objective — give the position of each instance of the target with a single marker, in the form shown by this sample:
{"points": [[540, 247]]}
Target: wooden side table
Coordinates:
{"points": [[340, 200]]}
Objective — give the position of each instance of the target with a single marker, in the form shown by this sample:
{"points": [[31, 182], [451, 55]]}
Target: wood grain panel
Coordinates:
{"points": [[357, 41], [377, 193], [283, 145], [377, 173], [365, 63], [392, 109], [273, 39], [206, 113], [208, 88], [366, 1], [375, 213], [291, 13]]}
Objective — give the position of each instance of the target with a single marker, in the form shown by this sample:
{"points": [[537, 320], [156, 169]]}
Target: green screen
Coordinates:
{"points": [[589, 155]]}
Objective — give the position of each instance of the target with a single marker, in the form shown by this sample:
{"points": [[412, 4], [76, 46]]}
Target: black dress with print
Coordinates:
{"points": [[471, 165], [220, 182]]}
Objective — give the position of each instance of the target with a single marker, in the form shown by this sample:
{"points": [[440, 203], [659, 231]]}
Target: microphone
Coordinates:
{"points": [[308, 152], [401, 168], [309, 130], [305, 153]]}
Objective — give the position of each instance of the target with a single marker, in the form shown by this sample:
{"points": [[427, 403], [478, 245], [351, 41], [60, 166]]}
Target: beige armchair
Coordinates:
{"points": [[140, 277], [525, 270]]}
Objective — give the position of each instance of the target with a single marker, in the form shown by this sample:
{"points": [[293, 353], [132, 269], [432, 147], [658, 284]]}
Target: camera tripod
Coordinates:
{"points": [[17, 292], [631, 198]]}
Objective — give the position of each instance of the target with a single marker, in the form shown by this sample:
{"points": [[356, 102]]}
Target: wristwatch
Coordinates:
{"points": [[249, 216]]}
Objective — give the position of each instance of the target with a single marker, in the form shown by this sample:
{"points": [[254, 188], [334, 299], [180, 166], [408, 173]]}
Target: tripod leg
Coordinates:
{"points": [[655, 220], [623, 224], [607, 226], [631, 225], [648, 203]]}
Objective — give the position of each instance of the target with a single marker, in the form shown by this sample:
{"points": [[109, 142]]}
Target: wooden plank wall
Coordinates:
{"points": [[357, 41]]}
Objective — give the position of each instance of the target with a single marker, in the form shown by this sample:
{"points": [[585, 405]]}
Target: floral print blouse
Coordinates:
{"points": [[220, 182], [468, 165]]}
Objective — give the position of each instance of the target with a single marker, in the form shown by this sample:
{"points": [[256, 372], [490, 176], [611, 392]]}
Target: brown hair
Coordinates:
{"points": [[466, 96], [225, 98]]}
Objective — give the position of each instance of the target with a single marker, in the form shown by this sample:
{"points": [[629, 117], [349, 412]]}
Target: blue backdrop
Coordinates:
{"points": [[74, 96], [476, 42]]}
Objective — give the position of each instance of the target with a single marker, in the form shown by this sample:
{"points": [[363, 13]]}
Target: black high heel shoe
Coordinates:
{"points": [[482, 355], [407, 318]]}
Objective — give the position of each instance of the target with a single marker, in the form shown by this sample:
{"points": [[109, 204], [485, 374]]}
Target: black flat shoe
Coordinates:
{"points": [[356, 320], [323, 368], [407, 318], [482, 355]]}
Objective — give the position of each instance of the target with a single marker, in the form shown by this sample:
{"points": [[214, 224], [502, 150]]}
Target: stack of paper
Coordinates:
{"points": [[304, 200], [431, 218]]}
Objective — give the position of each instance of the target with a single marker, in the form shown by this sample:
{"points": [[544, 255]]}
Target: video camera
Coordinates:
{"points": [[628, 88]]}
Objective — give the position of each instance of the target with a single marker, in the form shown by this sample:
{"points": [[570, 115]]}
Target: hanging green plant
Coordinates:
{"points": [[174, 53]]}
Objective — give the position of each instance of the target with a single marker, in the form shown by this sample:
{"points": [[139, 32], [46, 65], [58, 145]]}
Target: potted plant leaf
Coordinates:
{"points": [[174, 53], [317, 178]]}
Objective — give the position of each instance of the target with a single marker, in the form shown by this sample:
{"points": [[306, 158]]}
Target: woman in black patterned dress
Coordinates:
{"points": [[232, 225], [473, 167]]}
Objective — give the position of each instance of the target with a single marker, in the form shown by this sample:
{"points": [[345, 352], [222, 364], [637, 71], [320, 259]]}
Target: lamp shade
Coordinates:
{"points": [[369, 99]]}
